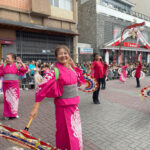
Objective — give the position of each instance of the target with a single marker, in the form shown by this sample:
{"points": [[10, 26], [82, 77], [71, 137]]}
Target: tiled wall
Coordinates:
{"points": [[19, 4]]}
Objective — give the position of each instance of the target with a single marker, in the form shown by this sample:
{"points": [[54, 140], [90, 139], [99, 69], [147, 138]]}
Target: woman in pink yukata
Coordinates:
{"points": [[10, 72], [1, 79], [65, 92], [123, 76]]}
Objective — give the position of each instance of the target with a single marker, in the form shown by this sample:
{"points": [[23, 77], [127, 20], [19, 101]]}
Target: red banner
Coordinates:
{"points": [[127, 44], [6, 42]]}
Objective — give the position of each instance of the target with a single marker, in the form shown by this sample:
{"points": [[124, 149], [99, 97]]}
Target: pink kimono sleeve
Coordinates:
{"points": [[49, 87], [1, 70], [22, 70], [80, 75]]}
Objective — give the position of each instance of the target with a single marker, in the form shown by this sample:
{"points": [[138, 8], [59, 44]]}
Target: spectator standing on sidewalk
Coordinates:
{"points": [[32, 67], [31, 73], [37, 77]]}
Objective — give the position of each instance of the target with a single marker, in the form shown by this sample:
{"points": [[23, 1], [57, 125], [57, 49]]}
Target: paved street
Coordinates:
{"points": [[120, 122]]}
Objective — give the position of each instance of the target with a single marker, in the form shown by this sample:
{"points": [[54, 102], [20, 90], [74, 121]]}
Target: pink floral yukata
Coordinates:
{"points": [[123, 76], [11, 88], [68, 123]]}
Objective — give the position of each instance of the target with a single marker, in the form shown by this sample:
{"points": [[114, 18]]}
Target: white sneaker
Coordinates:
{"points": [[12, 118], [20, 89], [26, 89], [17, 116]]}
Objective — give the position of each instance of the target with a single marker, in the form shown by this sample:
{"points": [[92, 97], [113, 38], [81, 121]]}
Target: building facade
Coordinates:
{"points": [[33, 28], [101, 22]]}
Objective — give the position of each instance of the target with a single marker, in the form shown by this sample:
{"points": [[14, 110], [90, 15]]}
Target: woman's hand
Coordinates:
{"points": [[71, 62], [18, 59], [2, 62], [34, 111]]}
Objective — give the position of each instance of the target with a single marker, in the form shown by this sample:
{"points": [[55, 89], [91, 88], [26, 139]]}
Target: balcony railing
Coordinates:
{"points": [[127, 11]]}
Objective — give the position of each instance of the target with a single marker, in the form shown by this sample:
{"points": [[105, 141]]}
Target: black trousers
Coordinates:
{"points": [[138, 82], [104, 83], [96, 93]]}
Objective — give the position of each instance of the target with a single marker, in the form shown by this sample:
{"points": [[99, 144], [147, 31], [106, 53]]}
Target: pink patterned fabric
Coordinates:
{"points": [[11, 98], [46, 71], [68, 123], [123, 76], [11, 89]]}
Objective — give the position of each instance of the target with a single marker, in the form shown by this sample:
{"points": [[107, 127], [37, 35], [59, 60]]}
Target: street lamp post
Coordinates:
{"points": [[134, 30]]}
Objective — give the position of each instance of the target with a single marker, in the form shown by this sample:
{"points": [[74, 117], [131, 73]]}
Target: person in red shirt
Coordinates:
{"points": [[105, 66], [97, 67], [138, 74]]}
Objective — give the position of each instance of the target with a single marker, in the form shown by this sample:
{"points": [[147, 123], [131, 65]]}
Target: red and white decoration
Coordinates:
{"points": [[139, 36], [127, 35]]}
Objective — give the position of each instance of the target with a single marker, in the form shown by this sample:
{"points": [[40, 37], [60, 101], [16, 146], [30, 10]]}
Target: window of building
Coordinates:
{"points": [[64, 4], [113, 4]]}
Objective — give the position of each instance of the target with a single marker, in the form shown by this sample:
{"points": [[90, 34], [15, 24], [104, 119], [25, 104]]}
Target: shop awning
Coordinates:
{"points": [[126, 49], [34, 28]]}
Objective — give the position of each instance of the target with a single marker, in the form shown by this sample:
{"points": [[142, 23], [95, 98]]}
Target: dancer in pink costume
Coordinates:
{"points": [[1, 80], [10, 71], [123, 76], [1, 85], [65, 92]]}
